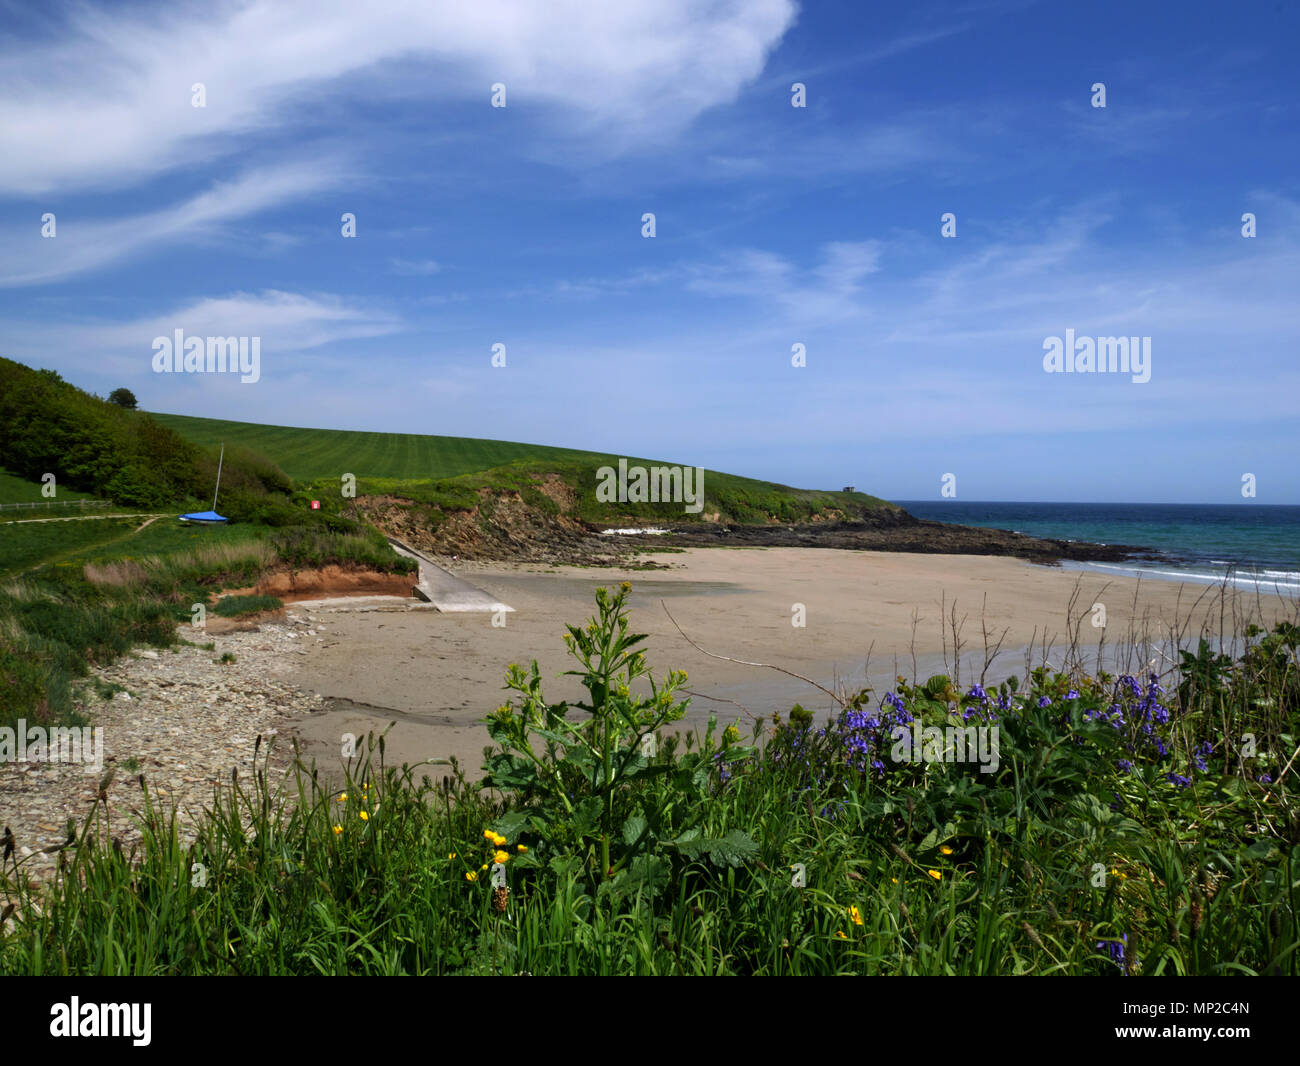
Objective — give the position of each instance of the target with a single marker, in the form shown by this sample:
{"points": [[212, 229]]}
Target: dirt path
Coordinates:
{"points": [[91, 518], [148, 518]]}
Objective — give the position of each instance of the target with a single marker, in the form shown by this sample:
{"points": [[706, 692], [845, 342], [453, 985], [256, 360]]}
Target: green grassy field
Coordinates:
{"points": [[168, 535], [312, 453], [28, 544], [410, 465], [14, 489]]}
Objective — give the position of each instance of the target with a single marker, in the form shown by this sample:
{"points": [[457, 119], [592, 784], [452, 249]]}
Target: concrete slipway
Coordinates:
{"points": [[444, 589]]}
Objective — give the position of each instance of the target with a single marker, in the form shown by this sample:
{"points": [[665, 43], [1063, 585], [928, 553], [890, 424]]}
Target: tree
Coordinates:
{"points": [[123, 398]]}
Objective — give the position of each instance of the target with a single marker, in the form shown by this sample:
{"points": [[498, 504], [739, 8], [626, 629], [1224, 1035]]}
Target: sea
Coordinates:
{"points": [[1248, 545]]}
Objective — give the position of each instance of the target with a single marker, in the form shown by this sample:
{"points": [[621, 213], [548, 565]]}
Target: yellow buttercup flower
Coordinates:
{"points": [[337, 830], [483, 867], [935, 874], [343, 797], [471, 876], [840, 935], [501, 856], [520, 847], [451, 855], [946, 850], [365, 817], [855, 914]]}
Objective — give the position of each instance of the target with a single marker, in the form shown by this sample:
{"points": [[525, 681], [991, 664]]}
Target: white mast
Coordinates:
{"points": [[218, 488]]}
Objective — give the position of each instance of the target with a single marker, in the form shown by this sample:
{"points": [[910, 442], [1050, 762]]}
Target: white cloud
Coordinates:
{"points": [[28, 258], [109, 102], [829, 290], [286, 322], [417, 268]]}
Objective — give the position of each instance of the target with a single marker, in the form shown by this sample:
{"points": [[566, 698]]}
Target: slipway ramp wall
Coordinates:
{"points": [[444, 589]]}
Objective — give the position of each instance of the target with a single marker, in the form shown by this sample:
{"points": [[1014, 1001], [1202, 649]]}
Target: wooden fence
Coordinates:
{"points": [[54, 503]]}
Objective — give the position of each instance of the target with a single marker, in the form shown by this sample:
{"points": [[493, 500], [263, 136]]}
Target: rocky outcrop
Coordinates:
{"points": [[503, 527]]}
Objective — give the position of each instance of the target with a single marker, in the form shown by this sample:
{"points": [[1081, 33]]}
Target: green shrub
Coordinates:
{"points": [[238, 606]]}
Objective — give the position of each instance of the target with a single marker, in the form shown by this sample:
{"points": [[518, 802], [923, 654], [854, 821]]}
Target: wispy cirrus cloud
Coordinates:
{"points": [[80, 245], [286, 322], [414, 268], [108, 102], [289, 321], [828, 290]]}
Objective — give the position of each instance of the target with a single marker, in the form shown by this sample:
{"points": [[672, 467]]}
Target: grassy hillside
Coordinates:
{"points": [[49, 426], [305, 454], [449, 473]]}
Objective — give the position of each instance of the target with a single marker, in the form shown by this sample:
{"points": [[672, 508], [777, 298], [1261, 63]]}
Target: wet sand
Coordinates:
{"points": [[438, 674]]}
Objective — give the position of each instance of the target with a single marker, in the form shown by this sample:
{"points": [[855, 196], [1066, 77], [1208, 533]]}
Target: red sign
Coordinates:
{"points": [[315, 505]]}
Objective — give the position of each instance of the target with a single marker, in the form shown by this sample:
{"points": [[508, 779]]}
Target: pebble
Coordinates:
{"points": [[191, 721]]}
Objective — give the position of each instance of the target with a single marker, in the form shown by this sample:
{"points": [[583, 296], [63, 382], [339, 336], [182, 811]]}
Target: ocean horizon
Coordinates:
{"points": [[1247, 545]]}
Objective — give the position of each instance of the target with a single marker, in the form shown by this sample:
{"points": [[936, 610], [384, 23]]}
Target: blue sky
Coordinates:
{"points": [[775, 226]]}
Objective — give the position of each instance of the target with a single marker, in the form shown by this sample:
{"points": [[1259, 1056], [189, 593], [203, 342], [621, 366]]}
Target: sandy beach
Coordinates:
{"points": [[868, 616]]}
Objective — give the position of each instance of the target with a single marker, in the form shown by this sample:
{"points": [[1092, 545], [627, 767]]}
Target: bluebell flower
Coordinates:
{"points": [[1114, 948]]}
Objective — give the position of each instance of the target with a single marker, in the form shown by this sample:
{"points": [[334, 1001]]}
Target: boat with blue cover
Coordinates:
{"points": [[209, 518]]}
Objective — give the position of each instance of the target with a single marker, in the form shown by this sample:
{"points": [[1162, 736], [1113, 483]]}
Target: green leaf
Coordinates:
{"points": [[936, 837], [586, 816], [511, 825], [633, 828], [510, 772], [1261, 849], [646, 873], [734, 849]]}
